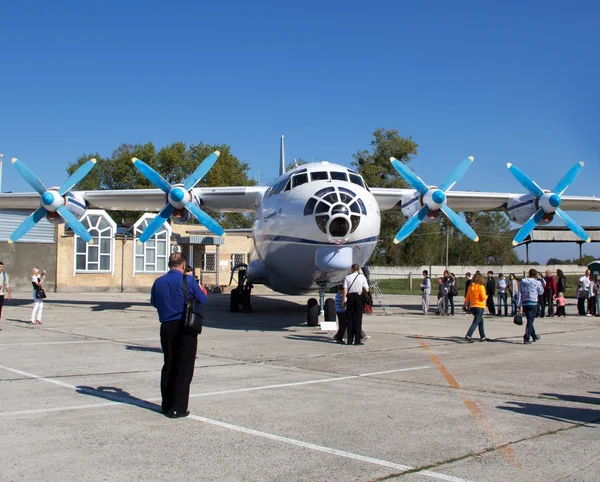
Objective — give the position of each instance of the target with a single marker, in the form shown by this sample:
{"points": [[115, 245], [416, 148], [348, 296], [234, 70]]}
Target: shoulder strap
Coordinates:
{"points": [[353, 281], [185, 288]]}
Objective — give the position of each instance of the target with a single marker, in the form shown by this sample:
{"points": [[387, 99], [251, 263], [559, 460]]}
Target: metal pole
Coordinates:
{"points": [[527, 253], [218, 265], [447, 244], [1, 155]]}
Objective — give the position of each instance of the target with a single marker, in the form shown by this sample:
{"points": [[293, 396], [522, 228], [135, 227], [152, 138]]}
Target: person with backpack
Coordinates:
{"points": [[450, 281]]}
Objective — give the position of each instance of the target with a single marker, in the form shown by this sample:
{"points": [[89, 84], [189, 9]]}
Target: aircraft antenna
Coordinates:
{"points": [[282, 159]]}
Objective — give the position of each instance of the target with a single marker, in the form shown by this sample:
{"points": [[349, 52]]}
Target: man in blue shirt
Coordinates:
{"points": [[529, 291], [178, 343]]}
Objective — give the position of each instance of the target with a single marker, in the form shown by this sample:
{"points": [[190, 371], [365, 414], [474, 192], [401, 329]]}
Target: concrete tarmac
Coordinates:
{"points": [[273, 399]]}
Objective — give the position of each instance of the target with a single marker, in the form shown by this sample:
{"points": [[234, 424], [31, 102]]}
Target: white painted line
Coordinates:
{"points": [[321, 448], [308, 382], [298, 443], [54, 343]]}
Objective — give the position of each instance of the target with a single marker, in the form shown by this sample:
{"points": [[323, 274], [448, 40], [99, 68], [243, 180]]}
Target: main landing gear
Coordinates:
{"points": [[240, 296], [313, 308]]}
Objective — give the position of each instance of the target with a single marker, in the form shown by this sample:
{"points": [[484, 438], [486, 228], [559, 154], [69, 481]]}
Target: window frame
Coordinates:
{"points": [[204, 255], [231, 258], [166, 227], [112, 229]]}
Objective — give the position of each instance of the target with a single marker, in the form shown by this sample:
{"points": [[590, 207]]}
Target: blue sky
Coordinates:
{"points": [[503, 81]]}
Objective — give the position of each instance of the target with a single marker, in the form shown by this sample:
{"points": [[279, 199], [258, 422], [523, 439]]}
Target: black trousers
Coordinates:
{"points": [[1, 305], [179, 349], [342, 324], [354, 307], [548, 301]]}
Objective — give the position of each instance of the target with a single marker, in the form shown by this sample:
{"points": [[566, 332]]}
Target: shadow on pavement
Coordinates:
{"points": [[575, 398], [551, 412], [152, 349], [115, 394]]}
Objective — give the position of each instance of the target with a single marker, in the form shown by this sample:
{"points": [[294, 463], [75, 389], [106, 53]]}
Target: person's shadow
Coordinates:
{"points": [[118, 395], [151, 349]]}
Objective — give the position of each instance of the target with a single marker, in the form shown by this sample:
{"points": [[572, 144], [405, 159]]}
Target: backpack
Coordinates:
{"points": [[453, 289]]}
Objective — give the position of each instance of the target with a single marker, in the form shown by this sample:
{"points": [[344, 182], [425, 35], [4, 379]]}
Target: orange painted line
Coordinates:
{"points": [[475, 411]]}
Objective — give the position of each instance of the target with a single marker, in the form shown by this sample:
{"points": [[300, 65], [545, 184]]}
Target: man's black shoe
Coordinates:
{"points": [[176, 414], [358, 343], [527, 342], [469, 339], [536, 338]]}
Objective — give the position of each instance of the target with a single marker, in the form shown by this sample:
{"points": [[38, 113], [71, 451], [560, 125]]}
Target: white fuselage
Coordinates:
{"points": [[311, 226]]}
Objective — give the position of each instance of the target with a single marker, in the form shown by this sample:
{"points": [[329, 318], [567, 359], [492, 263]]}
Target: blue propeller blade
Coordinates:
{"points": [[152, 176], [460, 223], [410, 177], [411, 224], [568, 178], [77, 176], [201, 170], [528, 227], [525, 181], [26, 225], [573, 226], [455, 175], [29, 177], [75, 224], [156, 223], [204, 219]]}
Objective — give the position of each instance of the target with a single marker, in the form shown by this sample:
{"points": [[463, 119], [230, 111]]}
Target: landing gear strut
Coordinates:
{"points": [[240, 296]]}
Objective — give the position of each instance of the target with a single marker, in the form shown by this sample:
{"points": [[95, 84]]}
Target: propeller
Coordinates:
{"points": [[548, 202], [52, 201], [434, 199], [178, 196]]}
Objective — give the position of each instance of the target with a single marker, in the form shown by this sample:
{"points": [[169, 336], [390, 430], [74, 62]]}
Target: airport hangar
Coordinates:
{"points": [[115, 262]]}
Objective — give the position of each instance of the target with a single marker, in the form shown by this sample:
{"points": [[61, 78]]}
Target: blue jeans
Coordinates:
{"points": [[502, 300], [477, 322], [530, 312], [514, 305]]}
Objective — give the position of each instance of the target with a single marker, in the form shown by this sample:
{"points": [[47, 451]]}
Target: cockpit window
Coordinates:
{"points": [[338, 176], [299, 179], [324, 191], [356, 179], [319, 176]]}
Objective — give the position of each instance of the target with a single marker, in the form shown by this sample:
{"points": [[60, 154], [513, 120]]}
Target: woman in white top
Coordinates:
{"points": [[352, 299], [38, 303]]}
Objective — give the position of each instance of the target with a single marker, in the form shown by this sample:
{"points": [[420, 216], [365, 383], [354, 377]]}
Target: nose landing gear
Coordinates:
{"points": [[325, 308]]}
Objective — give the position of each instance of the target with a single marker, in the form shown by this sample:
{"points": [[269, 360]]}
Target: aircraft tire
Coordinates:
{"points": [[312, 312], [234, 301], [329, 309]]}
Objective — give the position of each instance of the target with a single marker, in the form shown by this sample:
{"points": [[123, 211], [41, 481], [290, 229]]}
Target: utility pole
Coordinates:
{"points": [[447, 244], [1, 155]]}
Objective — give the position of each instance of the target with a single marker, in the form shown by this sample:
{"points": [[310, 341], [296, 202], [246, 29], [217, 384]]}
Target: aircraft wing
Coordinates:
{"points": [[220, 199], [393, 199]]}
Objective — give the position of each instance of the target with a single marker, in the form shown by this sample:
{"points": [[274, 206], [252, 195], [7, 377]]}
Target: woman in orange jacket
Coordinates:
{"points": [[477, 297]]}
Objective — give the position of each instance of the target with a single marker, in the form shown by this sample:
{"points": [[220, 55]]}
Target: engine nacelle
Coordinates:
{"points": [[73, 202], [520, 209], [412, 203], [182, 215]]}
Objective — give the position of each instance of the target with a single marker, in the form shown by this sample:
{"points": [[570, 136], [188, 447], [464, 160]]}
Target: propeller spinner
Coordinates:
{"points": [[434, 199], [548, 202], [178, 196], [52, 201]]}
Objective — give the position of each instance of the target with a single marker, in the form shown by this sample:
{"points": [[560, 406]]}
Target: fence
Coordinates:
{"points": [[415, 272]]}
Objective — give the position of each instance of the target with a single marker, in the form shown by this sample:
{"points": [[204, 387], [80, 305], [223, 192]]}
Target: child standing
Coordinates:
{"points": [[340, 311], [442, 297], [38, 303], [560, 305]]}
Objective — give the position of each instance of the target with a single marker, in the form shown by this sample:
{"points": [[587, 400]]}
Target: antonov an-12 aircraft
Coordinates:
{"points": [[311, 225]]}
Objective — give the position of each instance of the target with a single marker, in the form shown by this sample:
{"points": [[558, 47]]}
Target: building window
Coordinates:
{"points": [[96, 256], [153, 255], [237, 258], [209, 262]]}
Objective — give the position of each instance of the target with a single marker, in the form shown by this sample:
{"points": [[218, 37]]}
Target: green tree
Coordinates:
{"points": [[174, 163], [375, 167]]}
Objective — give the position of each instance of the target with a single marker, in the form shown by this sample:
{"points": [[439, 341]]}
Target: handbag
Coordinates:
{"points": [[518, 319], [193, 315], [40, 294]]}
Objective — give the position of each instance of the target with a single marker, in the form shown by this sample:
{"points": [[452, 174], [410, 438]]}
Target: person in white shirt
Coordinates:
{"points": [[354, 284], [586, 287], [425, 291], [38, 303], [4, 287]]}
